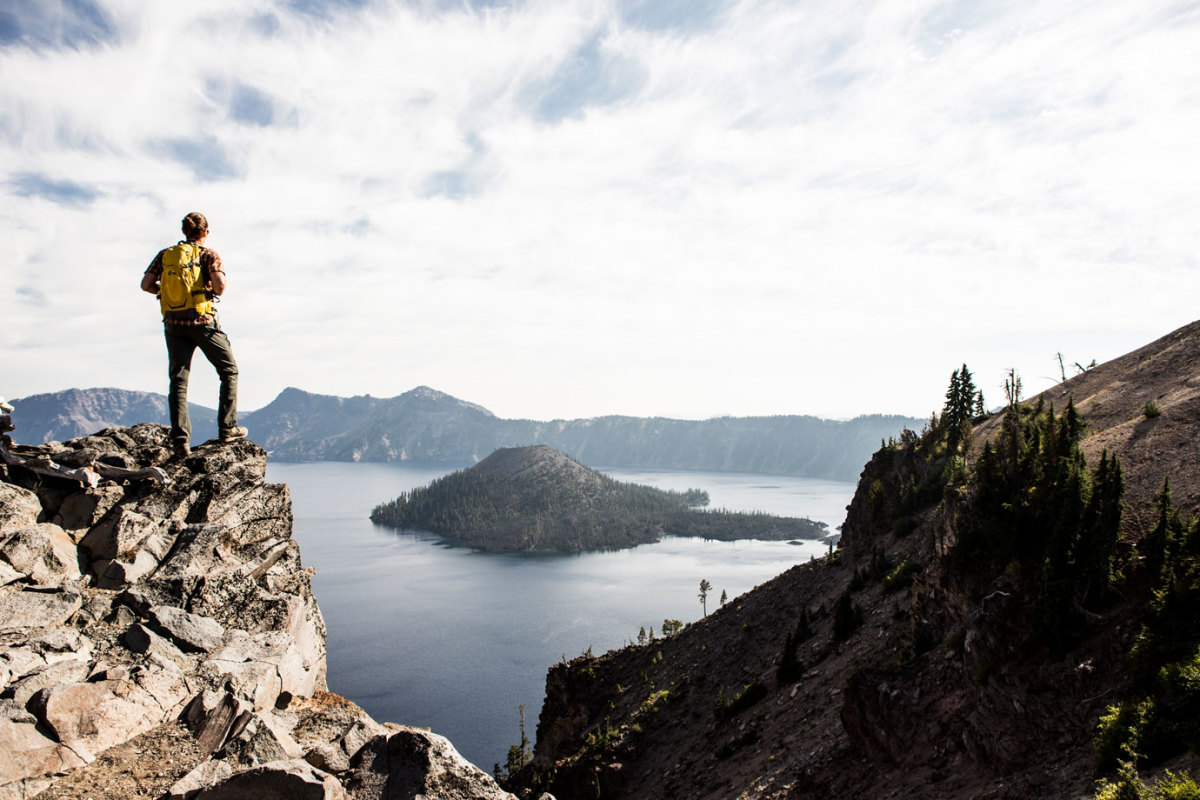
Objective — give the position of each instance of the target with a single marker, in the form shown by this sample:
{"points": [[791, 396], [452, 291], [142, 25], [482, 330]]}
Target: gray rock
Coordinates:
{"points": [[89, 718], [332, 731], [18, 508], [82, 510], [33, 682], [9, 575], [262, 667], [220, 629], [206, 775], [413, 763], [191, 632], [143, 641], [278, 780], [37, 609], [263, 738], [42, 551], [120, 534], [61, 644], [24, 751]]}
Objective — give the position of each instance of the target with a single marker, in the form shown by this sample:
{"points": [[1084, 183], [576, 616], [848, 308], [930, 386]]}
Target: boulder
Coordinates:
{"points": [[42, 551], [413, 763], [191, 632], [37, 609], [61, 644], [24, 751], [260, 668], [34, 681], [18, 508], [205, 775], [126, 547], [89, 718], [277, 780], [263, 737], [80, 511]]}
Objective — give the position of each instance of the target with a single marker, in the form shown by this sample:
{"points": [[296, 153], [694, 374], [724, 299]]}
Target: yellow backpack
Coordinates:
{"points": [[181, 292]]}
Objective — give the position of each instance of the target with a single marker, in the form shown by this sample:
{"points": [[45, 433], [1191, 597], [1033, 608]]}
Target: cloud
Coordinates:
{"points": [[31, 296], [591, 76], [679, 16], [561, 208], [55, 23], [206, 157], [65, 192]]}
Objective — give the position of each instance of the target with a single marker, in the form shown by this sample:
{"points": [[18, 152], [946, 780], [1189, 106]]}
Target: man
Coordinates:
{"points": [[186, 278]]}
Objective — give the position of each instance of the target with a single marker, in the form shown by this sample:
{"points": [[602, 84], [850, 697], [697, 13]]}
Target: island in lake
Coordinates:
{"points": [[538, 499]]}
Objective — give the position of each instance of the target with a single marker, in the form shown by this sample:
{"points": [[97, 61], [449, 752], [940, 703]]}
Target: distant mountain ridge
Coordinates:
{"points": [[71, 413], [427, 425]]}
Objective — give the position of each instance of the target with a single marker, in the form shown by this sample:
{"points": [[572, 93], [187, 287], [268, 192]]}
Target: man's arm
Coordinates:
{"points": [[217, 282], [152, 275], [215, 272], [150, 283]]}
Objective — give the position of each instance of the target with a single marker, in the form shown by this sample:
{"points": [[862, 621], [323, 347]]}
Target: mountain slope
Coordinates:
{"points": [[1112, 398], [425, 425], [59, 416], [964, 641]]}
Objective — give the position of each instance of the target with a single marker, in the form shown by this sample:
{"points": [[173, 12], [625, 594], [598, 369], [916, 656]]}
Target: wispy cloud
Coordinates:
{"points": [[66, 192], [611, 205]]}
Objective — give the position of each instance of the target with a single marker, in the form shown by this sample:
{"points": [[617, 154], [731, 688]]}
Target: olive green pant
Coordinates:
{"points": [[182, 341]]}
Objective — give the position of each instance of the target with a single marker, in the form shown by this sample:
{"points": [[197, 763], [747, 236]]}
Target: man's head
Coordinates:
{"points": [[195, 226]]}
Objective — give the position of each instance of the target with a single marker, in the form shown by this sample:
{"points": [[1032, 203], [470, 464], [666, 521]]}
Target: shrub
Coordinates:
{"points": [[1126, 786], [1178, 787], [901, 577], [750, 694], [1151, 409], [1119, 733]]}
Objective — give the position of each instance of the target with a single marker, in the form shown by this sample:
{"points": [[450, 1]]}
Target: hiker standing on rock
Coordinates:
{"points": [[187, 278]]}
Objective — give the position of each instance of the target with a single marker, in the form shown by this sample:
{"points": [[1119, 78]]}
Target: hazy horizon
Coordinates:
{"points": [[243, 410]]}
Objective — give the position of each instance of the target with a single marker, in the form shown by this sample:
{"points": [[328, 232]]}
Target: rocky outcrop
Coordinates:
{"points": [[131, 608]]}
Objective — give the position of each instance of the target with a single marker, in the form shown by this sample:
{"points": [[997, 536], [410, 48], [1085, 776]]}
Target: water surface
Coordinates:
{"points": [[425, 633]]}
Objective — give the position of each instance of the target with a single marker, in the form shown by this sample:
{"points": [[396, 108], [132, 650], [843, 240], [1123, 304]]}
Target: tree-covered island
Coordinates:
{"points": [[538, 499]]}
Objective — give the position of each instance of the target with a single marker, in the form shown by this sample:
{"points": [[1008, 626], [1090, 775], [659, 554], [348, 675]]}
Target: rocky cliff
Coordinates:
{"points": [[159, 637], [966, 640]]}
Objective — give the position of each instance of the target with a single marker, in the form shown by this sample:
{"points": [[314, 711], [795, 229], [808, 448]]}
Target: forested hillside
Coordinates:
{"points": [[1003, 618]]}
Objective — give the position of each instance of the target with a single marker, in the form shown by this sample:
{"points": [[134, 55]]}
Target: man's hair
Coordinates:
{"points": [[194, 225]]}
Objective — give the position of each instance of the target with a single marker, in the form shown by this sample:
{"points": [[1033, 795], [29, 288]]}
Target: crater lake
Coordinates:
{"points": [[422, 632]]}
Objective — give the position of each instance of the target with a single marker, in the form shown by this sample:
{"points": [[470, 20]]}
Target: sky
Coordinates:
{"points": [[571, 208]]}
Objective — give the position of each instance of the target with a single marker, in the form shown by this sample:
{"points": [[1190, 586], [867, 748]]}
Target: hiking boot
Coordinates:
{"points": [[234, 433], [182, 449]]}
